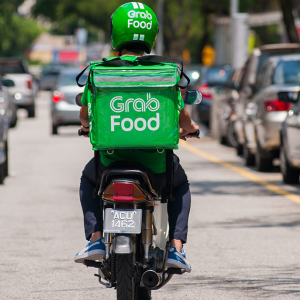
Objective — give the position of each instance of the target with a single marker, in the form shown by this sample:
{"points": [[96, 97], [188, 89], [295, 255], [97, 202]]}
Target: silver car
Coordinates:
{"points": [[64, 110], [269, 107]]}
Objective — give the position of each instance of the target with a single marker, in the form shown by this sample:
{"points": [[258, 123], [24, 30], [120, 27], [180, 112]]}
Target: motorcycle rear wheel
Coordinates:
{"points": [[126, 287]]}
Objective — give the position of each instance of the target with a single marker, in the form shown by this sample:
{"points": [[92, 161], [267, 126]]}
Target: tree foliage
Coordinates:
{"points": [[187, 23], [17, 33]]}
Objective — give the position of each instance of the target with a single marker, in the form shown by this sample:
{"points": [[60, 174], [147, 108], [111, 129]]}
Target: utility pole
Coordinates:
{"points": [[239, 34], [160, 38], [234, 7]]}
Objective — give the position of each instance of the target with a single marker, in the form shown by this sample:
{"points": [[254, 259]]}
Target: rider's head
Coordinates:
{"points": [[134, 27]]}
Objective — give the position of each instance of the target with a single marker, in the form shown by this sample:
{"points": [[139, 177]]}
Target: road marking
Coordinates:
{"points": [[245, 173]]}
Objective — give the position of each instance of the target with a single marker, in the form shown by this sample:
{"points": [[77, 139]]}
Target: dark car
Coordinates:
{"points": [[49, 76], [210, 80], [4, 125], [290, 143], [50, 73], [251, 69], [226, 101]]}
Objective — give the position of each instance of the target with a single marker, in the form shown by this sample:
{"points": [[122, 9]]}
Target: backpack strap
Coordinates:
{"points": [[91, 88], [118, 62]]}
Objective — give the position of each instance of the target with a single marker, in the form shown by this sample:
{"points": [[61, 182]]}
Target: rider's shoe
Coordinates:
{"points": [[178, 260], [93, 251]]}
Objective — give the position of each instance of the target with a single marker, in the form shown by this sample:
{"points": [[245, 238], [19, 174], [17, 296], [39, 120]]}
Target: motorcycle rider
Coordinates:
{"points": [[134, 29]]}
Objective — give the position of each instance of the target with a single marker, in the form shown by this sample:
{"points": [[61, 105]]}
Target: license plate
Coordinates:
{"points": [[122, 220]]}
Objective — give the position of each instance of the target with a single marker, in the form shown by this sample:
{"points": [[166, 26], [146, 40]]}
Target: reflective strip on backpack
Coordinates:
{"points": [[135, 79]]}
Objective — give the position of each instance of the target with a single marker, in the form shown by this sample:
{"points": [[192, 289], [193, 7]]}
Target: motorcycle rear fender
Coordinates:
{"points": [[122, 244]]}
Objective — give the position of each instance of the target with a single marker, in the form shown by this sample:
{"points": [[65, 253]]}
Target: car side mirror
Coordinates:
{"points": [[8, 83], [78, 99], [192, 97]]}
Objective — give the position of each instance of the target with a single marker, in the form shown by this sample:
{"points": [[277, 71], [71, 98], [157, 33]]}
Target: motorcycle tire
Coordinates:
{"points": [[126, 287]]}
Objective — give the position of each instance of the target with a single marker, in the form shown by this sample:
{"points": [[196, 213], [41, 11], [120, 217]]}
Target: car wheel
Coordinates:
{"points": [[14, 119], [5, 164], [248, 156], [54, 129], [289, 174], [239, 149], [222, 140], [31, 111], [231, 137], [263, 164]]}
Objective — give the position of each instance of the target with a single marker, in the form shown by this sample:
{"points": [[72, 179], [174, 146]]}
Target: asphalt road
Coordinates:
{"points": [[243, 232]]}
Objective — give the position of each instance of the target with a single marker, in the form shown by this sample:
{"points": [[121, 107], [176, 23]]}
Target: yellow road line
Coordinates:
{"points": [[245, 173]]}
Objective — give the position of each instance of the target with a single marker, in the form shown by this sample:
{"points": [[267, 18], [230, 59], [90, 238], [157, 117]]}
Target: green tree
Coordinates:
{"points": [[17, 33]]}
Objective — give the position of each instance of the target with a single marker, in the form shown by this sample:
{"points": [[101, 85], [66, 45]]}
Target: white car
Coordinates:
{"points": [[24, 88]]}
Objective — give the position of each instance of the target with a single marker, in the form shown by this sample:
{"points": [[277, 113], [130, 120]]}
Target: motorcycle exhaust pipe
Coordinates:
{"points": [[150, 279]]}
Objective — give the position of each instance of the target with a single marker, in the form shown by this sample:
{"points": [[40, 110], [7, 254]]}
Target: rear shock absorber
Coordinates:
{"points": [[147, 230], [107, 242], [112, 268]]}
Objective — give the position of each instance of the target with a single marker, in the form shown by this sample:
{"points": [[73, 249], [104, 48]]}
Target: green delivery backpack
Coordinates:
{"points": [[134, 102]]}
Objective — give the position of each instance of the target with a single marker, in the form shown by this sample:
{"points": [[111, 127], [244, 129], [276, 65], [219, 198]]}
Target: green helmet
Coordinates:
{"points": [[133, 22]]}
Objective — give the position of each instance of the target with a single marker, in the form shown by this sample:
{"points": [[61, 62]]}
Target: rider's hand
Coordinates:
{"points": [[184, 132], [85, 129]]}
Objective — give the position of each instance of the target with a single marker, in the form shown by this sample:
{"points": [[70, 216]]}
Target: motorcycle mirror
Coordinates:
{"points": [[192, 97], [78, 99]]}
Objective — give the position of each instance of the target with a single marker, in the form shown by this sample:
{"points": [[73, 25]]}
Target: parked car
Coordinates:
{"points": [[11, 106], [25, 86], [251, 69], [4, 125], [290, 142], [210, 80], [227, 99], [64, 110], [268, 109]]}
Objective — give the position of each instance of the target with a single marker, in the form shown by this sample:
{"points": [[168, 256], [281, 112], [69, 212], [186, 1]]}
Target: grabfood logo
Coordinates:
{"points": [[118, 105], [141, 15]]}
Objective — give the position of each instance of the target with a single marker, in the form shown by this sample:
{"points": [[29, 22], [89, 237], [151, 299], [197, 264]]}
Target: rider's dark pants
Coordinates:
{"points": [[178, 209]]}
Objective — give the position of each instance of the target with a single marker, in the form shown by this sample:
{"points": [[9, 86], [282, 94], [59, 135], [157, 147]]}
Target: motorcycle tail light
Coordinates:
{"points": [[124, 191], [29, 84], [204, 89], [58, 96], [276, 105]]}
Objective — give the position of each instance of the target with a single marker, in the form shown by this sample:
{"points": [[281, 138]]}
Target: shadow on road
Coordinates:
{"points": [[281, 282]]}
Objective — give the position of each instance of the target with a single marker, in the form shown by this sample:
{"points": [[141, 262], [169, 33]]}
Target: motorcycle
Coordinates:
{"points": [[135, 228]]}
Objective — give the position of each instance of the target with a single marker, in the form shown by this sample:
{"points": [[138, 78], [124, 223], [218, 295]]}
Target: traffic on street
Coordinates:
{"points": [[150, 150], [243, 225]]}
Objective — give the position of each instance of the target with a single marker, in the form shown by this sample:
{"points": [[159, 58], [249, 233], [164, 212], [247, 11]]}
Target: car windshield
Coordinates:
{"points": [[217, 76], [69, 79], [287, 72]]}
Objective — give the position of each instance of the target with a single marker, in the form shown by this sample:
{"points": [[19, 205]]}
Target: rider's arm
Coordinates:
{"points": [[83, 115], [84, 118], [186, 125]]}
